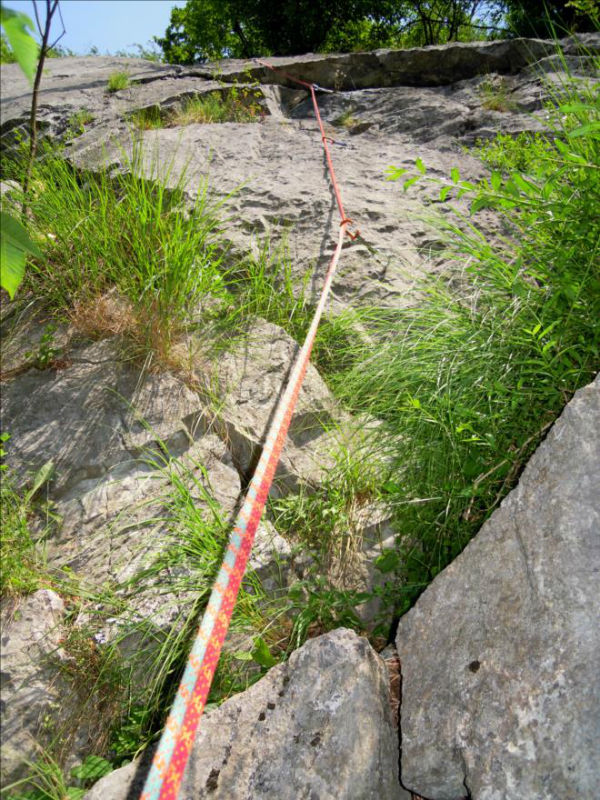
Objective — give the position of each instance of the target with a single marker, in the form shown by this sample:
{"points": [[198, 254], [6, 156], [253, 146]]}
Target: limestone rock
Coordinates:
{"points": [[318, 726], [424, 66], [31, 633], [500, 689], [404, 104], [246, 382], [108, 415]]}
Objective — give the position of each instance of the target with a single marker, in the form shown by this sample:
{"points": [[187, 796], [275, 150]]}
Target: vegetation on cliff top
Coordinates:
{"points": [[212, 29]]}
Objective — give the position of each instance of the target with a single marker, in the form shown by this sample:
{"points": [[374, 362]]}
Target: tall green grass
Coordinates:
{"points": [[236, 104], [468, 383], [122, 232]]}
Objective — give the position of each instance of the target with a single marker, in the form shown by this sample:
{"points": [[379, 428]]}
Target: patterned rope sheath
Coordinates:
{"points": [[170, 759]]}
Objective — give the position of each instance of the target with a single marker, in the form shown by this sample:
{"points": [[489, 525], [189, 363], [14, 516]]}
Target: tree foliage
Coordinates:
{"points": [[212, 29], [552, 18], [209, 29]]}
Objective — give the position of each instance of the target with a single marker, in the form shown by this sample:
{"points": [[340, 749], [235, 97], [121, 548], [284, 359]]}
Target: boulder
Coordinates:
{"points": [[319, 725], [500, 689]]}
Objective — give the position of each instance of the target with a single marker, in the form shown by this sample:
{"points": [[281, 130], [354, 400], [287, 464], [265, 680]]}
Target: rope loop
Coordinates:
{"points": [[350, 221]]}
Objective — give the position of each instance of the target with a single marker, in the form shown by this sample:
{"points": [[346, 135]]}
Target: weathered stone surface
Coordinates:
{"points": [[245, 383], [393, 122], [107, 414], [318, 726], [500, 689], [31, 633], [424, 66], [28, 338], [412, 103]]}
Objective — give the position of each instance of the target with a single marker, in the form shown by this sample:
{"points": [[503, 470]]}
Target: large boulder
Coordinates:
{"points": [[319, 725], [500, 689]]}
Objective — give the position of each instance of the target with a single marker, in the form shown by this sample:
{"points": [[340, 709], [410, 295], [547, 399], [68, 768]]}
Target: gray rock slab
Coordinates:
{"points": [[425, 66], [318, 726], [500, 688], [94, 412], [245, 383], [31, 633]]}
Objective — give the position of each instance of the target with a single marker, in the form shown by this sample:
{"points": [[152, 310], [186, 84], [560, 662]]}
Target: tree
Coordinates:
{"points": [[550, 18], [210, 29], [15, 241]]}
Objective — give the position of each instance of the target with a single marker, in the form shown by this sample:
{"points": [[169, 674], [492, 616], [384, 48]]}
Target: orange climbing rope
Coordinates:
{"points": [[169, 762], [324, 138]]}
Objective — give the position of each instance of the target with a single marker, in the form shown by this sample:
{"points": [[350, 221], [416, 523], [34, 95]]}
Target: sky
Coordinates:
{"points": [[109, 25]]}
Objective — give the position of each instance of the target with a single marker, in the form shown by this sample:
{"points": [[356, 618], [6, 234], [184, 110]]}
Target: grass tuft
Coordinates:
{"points": [[123, 252], [118, 81], [237, 104]]}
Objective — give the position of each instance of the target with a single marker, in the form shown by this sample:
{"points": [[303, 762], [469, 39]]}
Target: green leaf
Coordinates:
{"points": [[496, 181], [14, 245], [262, 655], [42, 476], [444, 192], [242, 655], [92, 769], [24, 46], [394, 173], [592, 128], [410, 182], [388, 561], [73, 793], [12, 267], [527, 187], [481, 202], [420, 166], [455, 174]]}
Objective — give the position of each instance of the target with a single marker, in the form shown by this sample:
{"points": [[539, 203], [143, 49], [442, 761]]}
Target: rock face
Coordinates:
{"points": [[489, 716], [500, 690], [31, 633], [318, 726], [388, 108]]}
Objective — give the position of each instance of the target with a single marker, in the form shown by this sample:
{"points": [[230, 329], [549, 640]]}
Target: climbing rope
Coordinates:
{"points": [[170, 759]]}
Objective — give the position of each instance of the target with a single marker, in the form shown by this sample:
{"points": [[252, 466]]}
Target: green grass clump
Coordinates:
{"points": [[23, 569], [495, 95], [123, 253], [468, 383], [238, 104], [148, 118], [235, 105], [118, 81], [77, 122]]}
